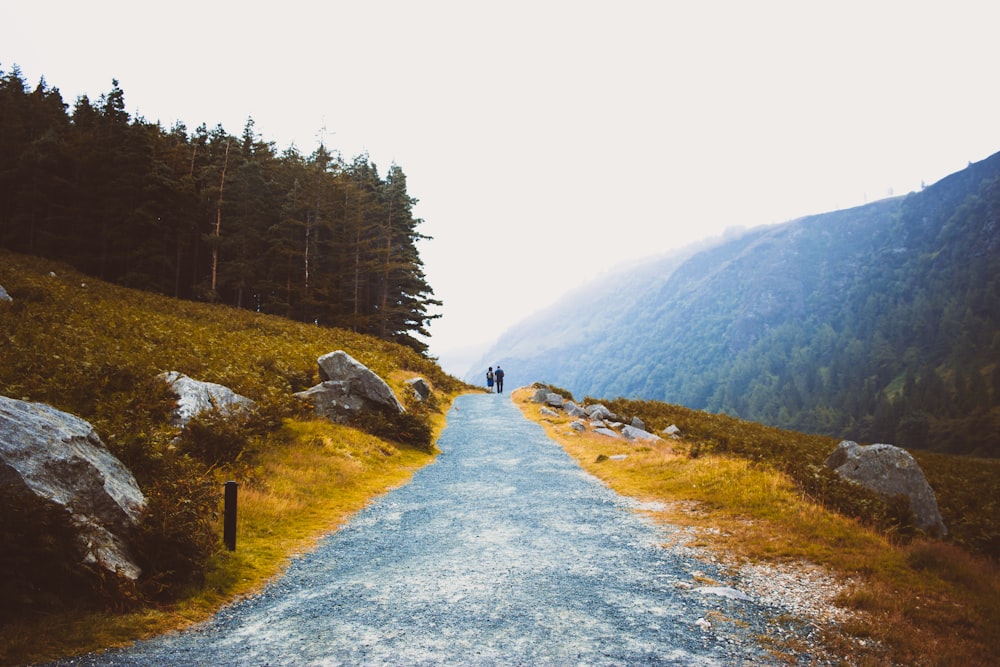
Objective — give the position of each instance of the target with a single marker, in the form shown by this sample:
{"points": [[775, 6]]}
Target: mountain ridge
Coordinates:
{"points": [[843, 323]]}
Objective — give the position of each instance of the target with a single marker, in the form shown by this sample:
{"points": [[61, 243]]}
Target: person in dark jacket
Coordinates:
{"points": [[498, 378]]}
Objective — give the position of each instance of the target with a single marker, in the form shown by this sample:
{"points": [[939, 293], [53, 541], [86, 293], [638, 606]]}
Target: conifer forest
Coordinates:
{"points": [[206, 215]]}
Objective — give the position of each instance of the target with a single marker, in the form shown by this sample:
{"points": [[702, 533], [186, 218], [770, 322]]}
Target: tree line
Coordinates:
{"points": [[206, 215]]}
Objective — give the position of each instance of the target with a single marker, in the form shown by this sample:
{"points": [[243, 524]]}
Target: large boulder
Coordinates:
{"points": [[56, 459], [347, 388], [889, 471], [598, 411], [195, 397]]}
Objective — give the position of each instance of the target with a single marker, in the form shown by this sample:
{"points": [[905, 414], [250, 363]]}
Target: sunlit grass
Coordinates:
{"points": [[86, 346], [305, 489], [924, 602]]}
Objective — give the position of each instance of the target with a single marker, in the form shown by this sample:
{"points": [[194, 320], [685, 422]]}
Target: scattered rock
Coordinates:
{"points": [[421, 389], [890, 471], [598, 416], [195, 397], [724, 592], [58, 459], [635, 433], [598, 411], [799, 588], [347, 388], [3, 295]]}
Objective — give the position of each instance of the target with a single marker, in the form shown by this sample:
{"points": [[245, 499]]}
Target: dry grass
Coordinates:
{"points": [[300, 492], [921, 603], [88, 347]]}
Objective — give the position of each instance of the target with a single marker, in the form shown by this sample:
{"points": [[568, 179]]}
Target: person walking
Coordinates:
{"points": [[498, 375], [489, 379]]}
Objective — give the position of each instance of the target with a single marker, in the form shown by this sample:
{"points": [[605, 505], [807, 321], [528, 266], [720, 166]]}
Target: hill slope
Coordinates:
{"points": [[94, 350], [879, 322]]}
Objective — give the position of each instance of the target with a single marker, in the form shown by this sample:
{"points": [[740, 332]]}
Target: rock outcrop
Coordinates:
{"points": [[54, 458], [421, 389], [635, 433], [598, 411], [596, 418], [195, 397], [347, 388], [890, 471]]}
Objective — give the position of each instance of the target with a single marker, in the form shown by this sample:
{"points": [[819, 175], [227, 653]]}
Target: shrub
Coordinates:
{"points": [[38, 563], [216, 437], [176, 536], [135, 425], [565, 393], [407, 428]]}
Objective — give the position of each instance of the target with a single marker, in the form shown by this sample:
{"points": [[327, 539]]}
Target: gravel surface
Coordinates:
{"points": [[502, 552]]}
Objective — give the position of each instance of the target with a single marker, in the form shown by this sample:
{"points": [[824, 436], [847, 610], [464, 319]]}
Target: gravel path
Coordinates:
{"points": [[502, 552]]}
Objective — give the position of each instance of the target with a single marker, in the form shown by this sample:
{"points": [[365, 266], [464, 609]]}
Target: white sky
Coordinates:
{"points": [[549, 141]]}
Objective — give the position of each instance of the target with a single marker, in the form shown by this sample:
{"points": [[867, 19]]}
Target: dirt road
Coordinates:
{"points": [[502, 552]]}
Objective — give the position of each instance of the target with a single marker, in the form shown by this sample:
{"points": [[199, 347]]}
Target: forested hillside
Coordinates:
{"points": [[209, 216], [877, 323]]}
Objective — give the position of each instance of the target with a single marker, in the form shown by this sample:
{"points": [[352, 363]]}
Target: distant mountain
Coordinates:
{"points": [[876, 323]]}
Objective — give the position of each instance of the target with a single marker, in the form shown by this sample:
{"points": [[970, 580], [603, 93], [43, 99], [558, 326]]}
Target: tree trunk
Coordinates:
{"points": [[218, 221]]}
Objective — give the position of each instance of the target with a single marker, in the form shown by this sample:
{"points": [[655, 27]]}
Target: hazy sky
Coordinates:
{"points": [[549, 141]]}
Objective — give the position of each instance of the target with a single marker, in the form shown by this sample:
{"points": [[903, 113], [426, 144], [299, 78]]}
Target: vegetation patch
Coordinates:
{"points": [[94, 350], [911, 600]]}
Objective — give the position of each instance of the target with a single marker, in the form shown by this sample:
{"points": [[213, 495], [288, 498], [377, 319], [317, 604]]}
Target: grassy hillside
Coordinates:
{"points": [[94, 350], [760, 494]]}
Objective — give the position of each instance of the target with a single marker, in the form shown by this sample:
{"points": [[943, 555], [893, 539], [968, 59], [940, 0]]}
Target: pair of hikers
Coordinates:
{"points": [[494, 377]]}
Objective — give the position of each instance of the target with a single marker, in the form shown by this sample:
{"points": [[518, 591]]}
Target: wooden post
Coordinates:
{"points": [[229, 517]]}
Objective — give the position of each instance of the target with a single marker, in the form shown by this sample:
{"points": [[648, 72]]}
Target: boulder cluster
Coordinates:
{"points": [[597, 418], [52, 458]]}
